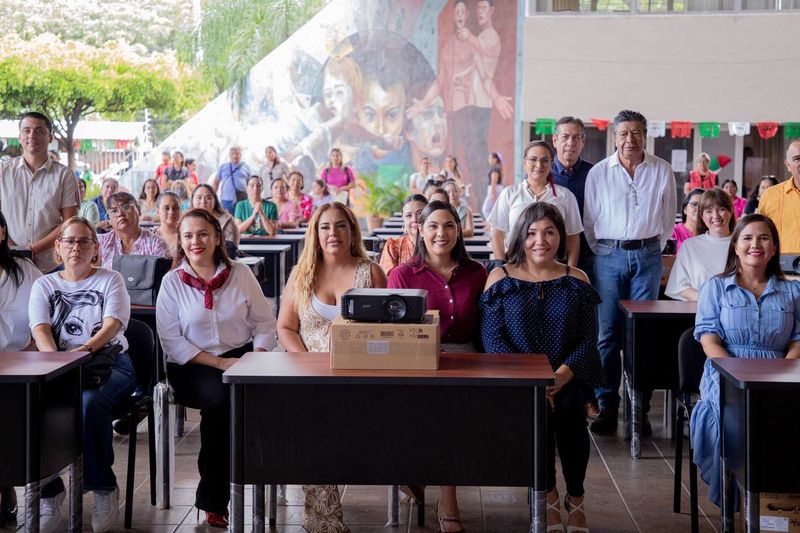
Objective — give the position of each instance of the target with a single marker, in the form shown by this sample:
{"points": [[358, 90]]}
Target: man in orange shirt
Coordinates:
{"points": [[781, 203]]}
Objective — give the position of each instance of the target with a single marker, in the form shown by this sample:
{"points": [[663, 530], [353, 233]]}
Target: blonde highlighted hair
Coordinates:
{"points": [[307, 269]]}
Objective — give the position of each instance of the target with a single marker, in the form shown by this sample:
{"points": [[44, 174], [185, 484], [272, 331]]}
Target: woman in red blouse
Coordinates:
{"points": [[442, 266]]}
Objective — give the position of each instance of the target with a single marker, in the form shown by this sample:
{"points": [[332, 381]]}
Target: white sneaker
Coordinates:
{"points": [[50, 513], [106, 510]]}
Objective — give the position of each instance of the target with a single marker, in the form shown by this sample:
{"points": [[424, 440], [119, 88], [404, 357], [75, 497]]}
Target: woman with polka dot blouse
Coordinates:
{"points": [[534, 304]]}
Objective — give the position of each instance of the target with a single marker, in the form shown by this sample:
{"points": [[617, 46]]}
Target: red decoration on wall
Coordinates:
{"points": [[600, 123], [76, 145], [680, 129], [121, 144], [767, 130]]}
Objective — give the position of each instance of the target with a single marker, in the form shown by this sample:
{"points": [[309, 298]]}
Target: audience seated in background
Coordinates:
{"points": [[255, 216], [464, 212], [751, 285], [169, 213], [398, 250], [689, 219], [126, 237], [763, 184], [320, 193], [535, 304], [148, 201], [289, 212], [419, 179], [87, 208], [181, 190], [730, 187], [701, 177], [296, 194], [86, 308], [204, 197], [108, 187], [210, 311], [333, 261], [703, 256], [438, 195]]}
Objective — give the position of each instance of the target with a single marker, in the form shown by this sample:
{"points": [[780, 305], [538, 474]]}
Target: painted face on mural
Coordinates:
{"points": [[461, 15], [428, 130], [338, 96], [382, 115], [484, 11]]}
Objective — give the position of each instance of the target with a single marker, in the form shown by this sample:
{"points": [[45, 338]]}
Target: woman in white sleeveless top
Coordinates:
{"points": [[333, 261]]}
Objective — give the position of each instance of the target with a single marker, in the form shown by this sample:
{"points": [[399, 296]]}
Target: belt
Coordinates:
{"points": [[628, 245]]}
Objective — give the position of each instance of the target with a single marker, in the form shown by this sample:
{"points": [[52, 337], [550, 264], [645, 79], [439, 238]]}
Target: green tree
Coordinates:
{"points": [[70, 80], [233, 36]]}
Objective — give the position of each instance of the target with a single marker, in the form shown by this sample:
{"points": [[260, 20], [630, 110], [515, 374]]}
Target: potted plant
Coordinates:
{"points": [[381, 200]]}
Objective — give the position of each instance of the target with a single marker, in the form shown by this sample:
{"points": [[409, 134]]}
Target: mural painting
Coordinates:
{"points": [[386, 82]]}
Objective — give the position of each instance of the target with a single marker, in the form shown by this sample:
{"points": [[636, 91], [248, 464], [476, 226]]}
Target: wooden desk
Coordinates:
{"points": [[275, 259], [479, 420], [759, 404], [44, 423], [650, 355]]}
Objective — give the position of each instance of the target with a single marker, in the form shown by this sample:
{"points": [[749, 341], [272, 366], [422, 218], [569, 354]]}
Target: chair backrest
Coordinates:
{"points": [[691, 360], [142, 351]]}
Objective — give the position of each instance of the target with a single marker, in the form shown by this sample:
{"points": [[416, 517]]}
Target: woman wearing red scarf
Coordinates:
{"points": [[210, 311]]}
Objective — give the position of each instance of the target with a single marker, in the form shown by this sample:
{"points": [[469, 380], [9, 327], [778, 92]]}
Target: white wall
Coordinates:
{"points": [[695, 67]]}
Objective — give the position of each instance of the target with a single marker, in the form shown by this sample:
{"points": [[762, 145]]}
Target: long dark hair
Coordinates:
{"points": [[220, 255], [8, 258], [773, 267], [686, 200], [458, 253], [217, 209], [515, 255]]}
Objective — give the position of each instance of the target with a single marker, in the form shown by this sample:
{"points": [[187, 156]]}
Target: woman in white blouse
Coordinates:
{"points": [[703, 256], [210, 311]]}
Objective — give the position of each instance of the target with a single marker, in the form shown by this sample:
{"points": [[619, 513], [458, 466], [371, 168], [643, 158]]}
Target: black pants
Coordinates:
{"points": [[567, 429], [201, 387]]}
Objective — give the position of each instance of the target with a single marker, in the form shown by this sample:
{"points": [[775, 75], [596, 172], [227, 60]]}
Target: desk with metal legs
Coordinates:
{"points": [[650, 356], [478, 420], [759, 408], [44, 420]]}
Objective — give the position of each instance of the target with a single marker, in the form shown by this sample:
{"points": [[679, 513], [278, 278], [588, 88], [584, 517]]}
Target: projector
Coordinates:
{"points": [[790, 264], [385, 305]]}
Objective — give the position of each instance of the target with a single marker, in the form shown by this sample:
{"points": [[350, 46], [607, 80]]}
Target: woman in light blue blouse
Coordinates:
{"points": [[750, 310]]}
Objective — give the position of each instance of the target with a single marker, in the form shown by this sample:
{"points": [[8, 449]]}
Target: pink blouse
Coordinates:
{"points": [[290, 211], [738, 206], [680, 233]]}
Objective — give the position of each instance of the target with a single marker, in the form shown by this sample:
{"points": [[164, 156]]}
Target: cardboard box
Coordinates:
{"points": [[370, 346], [779, 513]]}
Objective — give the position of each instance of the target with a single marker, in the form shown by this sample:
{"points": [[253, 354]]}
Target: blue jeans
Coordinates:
{"points": [[98, 449], [620, 275]]}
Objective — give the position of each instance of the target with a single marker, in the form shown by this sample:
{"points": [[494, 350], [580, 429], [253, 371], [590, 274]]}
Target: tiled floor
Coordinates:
{"points": [[622, 495]]}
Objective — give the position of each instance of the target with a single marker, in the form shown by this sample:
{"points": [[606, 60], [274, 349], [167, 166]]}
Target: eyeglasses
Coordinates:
{"points": [[116, 211], [694, 204], [83, 243]]}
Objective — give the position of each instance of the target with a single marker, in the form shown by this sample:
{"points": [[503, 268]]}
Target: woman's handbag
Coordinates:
{"points": [[142, 275], [97, 369]]}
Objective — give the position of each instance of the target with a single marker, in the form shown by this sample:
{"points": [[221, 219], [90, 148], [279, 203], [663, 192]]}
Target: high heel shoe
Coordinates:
{"points": [[215, 519], [555, 507], [576, 509], [445, 520]]}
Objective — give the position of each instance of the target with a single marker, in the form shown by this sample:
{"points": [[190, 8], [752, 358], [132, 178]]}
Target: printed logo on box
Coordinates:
{"points": [[344, 334]]}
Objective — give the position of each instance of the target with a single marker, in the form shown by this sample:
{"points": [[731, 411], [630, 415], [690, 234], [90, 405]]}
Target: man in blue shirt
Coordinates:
{"points": [[231, 177], [570, 171]]}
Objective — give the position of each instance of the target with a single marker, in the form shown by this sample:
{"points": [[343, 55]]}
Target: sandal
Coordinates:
{"points": [[576, 509], [556, 507], [445, 520]]}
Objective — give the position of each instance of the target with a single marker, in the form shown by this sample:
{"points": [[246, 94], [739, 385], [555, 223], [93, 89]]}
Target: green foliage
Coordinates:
{"points": [[381, 199], [70, 80], [234, 35]]}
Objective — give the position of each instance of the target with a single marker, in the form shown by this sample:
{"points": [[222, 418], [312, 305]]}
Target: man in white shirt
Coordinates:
{"points": [[629, 214], [537, 187], [36, 193]]}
